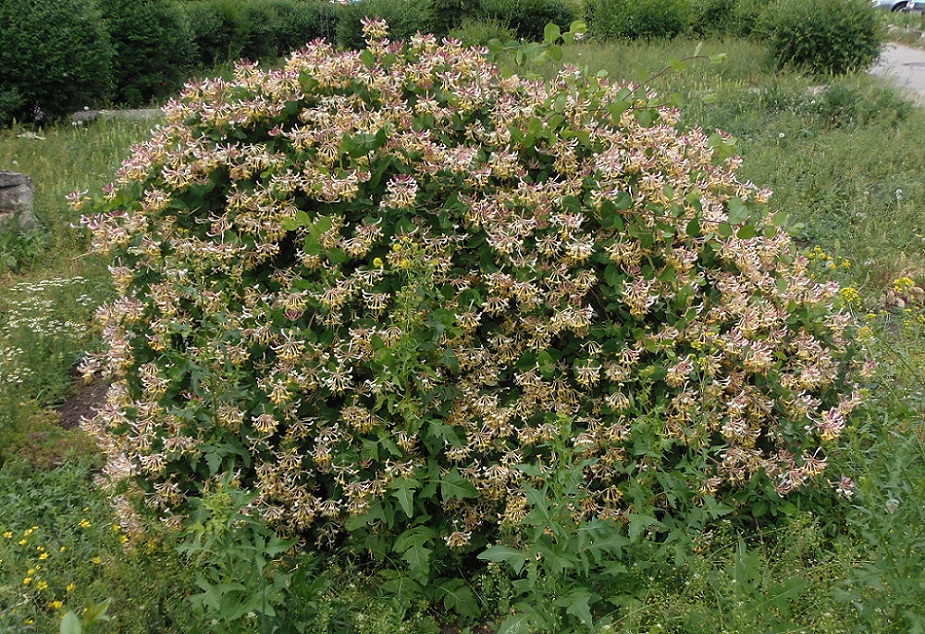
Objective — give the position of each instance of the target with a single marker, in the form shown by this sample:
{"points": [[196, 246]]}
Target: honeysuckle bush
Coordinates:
{"points": [[399, 293]]}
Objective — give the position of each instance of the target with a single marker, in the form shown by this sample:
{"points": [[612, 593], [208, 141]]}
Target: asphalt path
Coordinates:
{"points": [[903, 67]]}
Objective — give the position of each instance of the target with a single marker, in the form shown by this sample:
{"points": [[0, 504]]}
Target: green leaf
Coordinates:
{"points": [[412, 544], [97, 612], [738, 211], [514, 624], [578, 605], [677, 64], [693, 228], [337, 256], [646, 116], [458, 597], [578, 26], [722, 147], [639, 524], [551, 33], [623, 201], [559, 105], [368, 58], [779, 219], [70, 624], [746, 232], [617, 108], [404, 492], [454, 485], [546, 364], [505, 554]]}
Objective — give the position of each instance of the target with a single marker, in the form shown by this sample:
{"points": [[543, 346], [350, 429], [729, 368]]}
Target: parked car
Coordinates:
{"points": [[900, 5]]}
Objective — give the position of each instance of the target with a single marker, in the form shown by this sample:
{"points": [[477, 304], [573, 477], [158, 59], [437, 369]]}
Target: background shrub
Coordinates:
{"points": [[746, 18], [528, 18], [614, 19], [228, 30], [152, 46], [55, 58], [824, 36], [449, 14], [298, 22], [405, 18], [407, 304], [715, 17], [214, 30], [478, 32]]}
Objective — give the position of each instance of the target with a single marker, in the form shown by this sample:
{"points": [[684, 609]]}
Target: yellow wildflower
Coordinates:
{"points": [[70, 587], [43, 556], [41, 585], [8, 534], [56, 605], [377, 262], [97, 560], [850, 295], [23, 542], [84, 523], [902, 284], [27, 581]]}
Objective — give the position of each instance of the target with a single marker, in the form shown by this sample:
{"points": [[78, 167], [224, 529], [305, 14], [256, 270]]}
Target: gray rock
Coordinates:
{"points": [[17, 200]]}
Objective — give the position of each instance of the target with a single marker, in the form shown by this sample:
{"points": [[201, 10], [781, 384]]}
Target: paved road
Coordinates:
{"points": [[904, 67]]}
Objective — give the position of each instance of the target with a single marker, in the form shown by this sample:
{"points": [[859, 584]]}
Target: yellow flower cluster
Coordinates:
{"points": [[850, 296]]}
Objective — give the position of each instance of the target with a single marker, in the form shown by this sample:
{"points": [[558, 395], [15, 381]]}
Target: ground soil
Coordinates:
{"points": [[83, 402]]}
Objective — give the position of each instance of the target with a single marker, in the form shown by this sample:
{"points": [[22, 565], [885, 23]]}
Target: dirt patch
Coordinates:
{"points": [[84, 402]]}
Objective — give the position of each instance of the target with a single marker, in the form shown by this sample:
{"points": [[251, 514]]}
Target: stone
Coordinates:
{"points": [[17, 200]]}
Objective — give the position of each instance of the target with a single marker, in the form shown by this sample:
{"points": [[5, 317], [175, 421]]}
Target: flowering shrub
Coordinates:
{"points": [[382, 287]]}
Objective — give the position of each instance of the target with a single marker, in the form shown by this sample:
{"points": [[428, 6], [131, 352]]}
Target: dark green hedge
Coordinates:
{"points": [[55, 57], [822, 36], [635, 19], [153, 50], [227, 30], [529, 17]]}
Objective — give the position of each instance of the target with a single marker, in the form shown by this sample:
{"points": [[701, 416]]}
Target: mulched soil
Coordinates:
{"points": [[83, 402]]}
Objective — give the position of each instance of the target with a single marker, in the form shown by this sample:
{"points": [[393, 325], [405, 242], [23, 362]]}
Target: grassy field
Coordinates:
{"points": [[845, 160]]}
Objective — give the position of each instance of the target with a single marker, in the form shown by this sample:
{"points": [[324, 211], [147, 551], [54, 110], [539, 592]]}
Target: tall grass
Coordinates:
{"points": [[845, 161], [59, 160]]}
